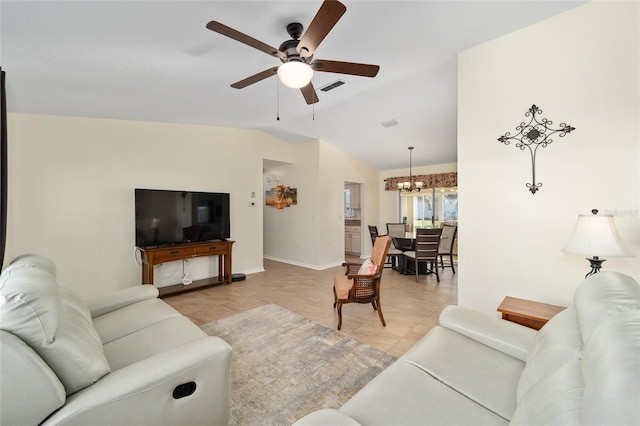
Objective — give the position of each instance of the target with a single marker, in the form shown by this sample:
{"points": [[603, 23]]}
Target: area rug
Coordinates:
{"points": [[285, 366]]}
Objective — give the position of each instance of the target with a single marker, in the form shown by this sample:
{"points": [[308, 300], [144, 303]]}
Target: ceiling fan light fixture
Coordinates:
{"points": [[295, 74]]}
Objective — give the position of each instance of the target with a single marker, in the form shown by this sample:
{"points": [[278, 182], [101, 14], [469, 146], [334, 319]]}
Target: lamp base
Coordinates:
{"points": [[596, 264]]}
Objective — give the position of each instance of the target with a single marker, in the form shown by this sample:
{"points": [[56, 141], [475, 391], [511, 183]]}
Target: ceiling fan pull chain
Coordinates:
{"points": [[313, 105], [278, 99]]}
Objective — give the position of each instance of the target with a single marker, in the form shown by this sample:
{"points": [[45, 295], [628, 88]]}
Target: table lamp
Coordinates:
{"points": [[596, 235]]}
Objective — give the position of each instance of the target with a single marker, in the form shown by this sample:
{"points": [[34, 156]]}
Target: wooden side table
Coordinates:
{"points": [[527, 312], [158, 255]]}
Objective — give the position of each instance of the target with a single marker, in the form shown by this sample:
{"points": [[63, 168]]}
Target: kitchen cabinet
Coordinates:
{"points": [[352, 240], [354, 196]]}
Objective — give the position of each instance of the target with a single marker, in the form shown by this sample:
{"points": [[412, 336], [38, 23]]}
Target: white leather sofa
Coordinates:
{"points": [[581, 368], [125, 358]]}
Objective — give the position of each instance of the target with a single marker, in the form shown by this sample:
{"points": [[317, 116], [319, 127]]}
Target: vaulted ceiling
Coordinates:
{"points": [[156, 61]]}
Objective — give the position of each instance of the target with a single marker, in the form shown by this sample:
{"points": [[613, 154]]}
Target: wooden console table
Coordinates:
{"points": [[527, 312], [158, 255]]}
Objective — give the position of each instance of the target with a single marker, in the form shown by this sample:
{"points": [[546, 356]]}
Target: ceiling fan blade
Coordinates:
{"points": [[309, 93], [243, 38], [328, 15], [255, 78], [352, 68]]}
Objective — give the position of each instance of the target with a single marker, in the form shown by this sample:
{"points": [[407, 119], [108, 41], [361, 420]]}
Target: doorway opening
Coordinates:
{"points": [[352, 219]]}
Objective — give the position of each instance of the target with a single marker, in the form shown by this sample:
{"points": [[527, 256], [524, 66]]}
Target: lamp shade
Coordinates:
{"points": [[295, 74], [596, 235]]}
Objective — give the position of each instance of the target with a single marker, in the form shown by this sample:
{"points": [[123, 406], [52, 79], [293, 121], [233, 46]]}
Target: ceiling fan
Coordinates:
{"points": [[296, 54]]}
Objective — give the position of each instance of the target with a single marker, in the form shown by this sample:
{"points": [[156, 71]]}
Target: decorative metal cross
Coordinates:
{"points": [[532, 135]]}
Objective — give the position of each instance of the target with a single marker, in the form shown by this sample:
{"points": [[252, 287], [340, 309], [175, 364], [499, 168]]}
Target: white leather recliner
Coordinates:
{"points": [[123, 358]]}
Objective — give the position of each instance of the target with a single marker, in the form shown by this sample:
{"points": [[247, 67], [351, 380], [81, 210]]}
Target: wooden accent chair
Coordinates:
{"points": [[393, 254], [362, 286], [426, 250], [449, 233]]}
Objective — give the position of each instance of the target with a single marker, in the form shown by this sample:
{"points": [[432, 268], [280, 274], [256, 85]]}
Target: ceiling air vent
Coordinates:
{"points": [[389, 123], [332, 86]]}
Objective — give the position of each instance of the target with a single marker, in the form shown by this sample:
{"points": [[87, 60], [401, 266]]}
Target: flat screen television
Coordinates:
{"points": [[165, 217]]}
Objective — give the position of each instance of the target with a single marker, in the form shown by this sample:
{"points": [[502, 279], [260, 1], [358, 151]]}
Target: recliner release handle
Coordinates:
{"points": [[184, 389]]}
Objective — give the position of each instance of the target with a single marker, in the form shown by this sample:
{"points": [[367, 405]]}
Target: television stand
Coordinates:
{"points": [[158, 255]]}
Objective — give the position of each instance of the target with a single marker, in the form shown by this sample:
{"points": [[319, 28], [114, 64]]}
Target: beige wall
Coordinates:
{"points": [[288, 233], [311, 234], [71, 183], [581, 68], [336, 169]]}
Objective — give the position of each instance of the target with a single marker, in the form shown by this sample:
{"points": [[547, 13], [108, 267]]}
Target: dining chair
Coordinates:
{"points": [[393, 255], [361, 282], [449, 233], [426, 250], [396, 230], [373, 232]]}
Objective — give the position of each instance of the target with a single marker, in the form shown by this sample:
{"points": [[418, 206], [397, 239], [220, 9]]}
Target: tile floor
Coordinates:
{"points": [[410, 308]]}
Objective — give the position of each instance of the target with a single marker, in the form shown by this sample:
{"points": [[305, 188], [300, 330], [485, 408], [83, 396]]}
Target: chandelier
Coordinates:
{"points": [[410, 186]]}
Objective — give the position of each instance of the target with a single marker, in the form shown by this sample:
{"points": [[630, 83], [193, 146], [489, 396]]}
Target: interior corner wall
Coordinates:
{"points": [[311, 234], [581, 68], [71, 183], [336, 168], [291, 233]]}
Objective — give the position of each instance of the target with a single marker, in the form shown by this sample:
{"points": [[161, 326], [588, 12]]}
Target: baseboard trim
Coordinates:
{"points": [[252, 271], [304, 265]]}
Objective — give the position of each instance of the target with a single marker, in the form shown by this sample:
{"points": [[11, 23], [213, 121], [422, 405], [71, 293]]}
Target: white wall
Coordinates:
{"points": [[71, 183], [580, 68]]}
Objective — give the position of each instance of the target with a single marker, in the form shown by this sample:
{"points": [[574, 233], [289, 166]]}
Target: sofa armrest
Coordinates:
{"points": [[508, 337], [142, 393], [29, 389], [108, 302], [326, 417]]}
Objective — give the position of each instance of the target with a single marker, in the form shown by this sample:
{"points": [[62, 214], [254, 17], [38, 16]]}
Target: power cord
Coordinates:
{"points": [[135, 256], [185, 275]]}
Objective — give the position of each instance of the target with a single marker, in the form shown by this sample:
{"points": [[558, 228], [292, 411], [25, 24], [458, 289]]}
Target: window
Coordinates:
{"points": [[426, 209], [450, 206]]}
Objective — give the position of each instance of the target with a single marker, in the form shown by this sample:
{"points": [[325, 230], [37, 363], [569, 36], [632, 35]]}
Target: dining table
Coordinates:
{"points": [[407, 242]]}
